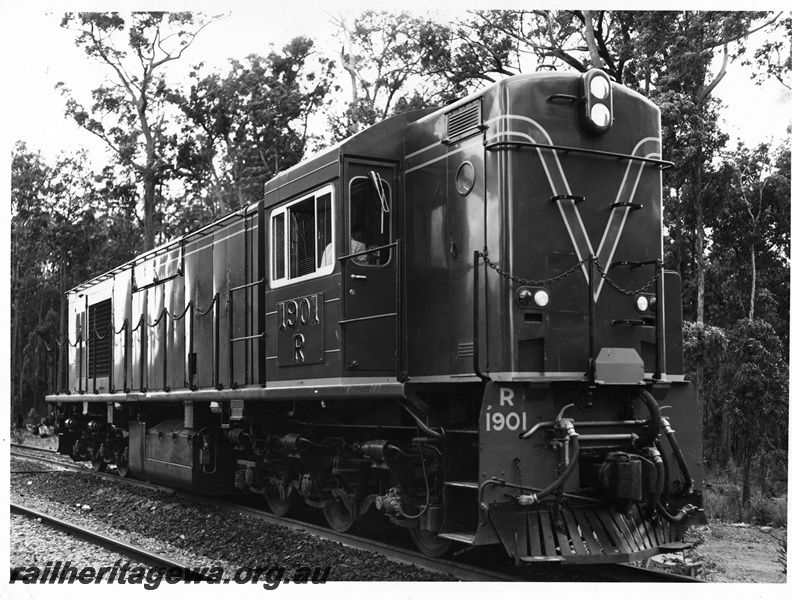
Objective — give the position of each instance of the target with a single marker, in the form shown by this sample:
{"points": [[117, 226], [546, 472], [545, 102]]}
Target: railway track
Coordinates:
{"points": [[131, 551], [460, 569], [52, 458]]}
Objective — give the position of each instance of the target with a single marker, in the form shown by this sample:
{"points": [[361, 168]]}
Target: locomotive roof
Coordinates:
{"points": [[166, 247], [385, 140]]}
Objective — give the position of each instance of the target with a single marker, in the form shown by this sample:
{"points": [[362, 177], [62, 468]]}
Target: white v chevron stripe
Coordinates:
{"points": [[626, 195], [551, 163]]}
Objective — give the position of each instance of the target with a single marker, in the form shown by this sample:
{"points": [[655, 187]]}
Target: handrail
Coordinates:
{"points": [[369, 318], [369, 251], [663, 164]]}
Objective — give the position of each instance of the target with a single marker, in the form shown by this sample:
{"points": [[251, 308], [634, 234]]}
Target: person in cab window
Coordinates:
{"points": [[357, 244]]}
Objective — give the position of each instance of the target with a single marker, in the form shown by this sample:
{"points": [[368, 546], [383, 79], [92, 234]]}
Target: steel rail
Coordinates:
{"points": [[26, 447], [634, 574], [151, 559], [464, 572], [460, 571], [80, 468], [449, 567]]}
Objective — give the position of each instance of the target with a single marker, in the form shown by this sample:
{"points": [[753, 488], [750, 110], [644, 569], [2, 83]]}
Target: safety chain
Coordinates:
{"points": [[621, 290], [184, 312], [101, 337], [202, 313], [156, 322], [140, 322], [543, 282], [125, 325], [540, 282], [60, 342]]}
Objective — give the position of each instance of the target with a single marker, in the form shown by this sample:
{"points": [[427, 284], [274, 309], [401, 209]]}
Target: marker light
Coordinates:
{"points": [[541, 298], [531, 297], [524, 297], [645, 303], [596, 102]]}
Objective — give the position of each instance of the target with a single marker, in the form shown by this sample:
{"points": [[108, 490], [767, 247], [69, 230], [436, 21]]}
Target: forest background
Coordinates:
{"points": [[181, 151]]}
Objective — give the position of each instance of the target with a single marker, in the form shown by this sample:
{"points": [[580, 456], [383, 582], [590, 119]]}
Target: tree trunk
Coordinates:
{"points": [[591, 42], [763, 473], [15, 399], [753, 283], [149, 208], [699, 211], [746, 475], [725, 438]]}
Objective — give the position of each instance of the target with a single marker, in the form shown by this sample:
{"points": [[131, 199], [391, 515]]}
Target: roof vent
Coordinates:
{"points": [[463, 122]]}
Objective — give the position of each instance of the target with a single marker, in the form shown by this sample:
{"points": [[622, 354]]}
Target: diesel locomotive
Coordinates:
{"points": [[457, 321]]}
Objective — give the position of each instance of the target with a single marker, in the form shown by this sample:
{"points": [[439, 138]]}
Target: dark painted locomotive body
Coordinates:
{"points": [[457, 320]]}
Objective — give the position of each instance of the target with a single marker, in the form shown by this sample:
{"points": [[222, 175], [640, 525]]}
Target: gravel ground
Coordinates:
{"points": [[739, 553], [37, 544], [194, 533], [200, 535]]}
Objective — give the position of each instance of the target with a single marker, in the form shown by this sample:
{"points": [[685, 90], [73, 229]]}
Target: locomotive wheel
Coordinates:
{"points": [[428, 543], [340, 519], [277, 506], [97, 462], [122, 464]]}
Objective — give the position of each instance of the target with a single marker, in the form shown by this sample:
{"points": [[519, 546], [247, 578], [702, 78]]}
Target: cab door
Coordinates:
{"points": [[370, 321]]}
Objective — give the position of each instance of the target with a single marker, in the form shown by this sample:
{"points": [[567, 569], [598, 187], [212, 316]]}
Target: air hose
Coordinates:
{"points": [[649, 436], [656, 502], [529, 499], [659, 481], [683, 468], [677, 518]]}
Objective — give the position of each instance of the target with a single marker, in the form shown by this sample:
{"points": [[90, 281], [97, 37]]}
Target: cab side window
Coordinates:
{"points": [[301, 235], [370, 222]]}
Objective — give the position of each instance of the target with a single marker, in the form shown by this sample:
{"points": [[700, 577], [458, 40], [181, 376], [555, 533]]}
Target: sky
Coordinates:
{"points": [[36, 53]]}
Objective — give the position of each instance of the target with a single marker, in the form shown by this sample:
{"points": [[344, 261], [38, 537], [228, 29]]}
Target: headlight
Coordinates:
{"points": [[600, 87], [600, 115], [596, 102]]}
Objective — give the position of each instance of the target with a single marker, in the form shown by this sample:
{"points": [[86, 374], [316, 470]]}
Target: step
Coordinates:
{"points": [[465, 538]]}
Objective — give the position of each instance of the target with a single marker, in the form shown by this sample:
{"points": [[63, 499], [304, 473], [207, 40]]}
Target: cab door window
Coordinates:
{"points": [[370, 220]]}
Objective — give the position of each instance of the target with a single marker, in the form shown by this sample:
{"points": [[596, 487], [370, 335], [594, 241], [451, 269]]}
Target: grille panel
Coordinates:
{"points": [[100, 325], [464, 121]]}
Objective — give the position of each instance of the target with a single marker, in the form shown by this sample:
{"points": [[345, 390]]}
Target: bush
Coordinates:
{"points": [[17, 437], [33, 417], [768, 511], [722, 502]]}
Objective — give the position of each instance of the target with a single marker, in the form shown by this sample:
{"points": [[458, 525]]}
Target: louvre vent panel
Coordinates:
{"points": [[100, 325], [464, 121]]}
